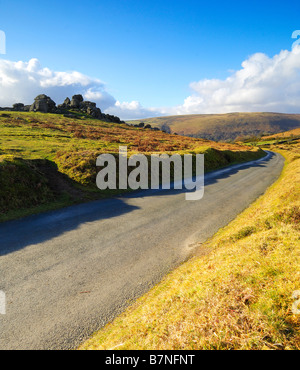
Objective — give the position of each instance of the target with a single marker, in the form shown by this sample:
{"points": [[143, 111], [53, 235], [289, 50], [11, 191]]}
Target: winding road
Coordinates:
{"points": [[67, 273]]}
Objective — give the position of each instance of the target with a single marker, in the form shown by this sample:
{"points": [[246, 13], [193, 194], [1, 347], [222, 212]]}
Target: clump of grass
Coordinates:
{"points": [[243, 233], [290, 215]]}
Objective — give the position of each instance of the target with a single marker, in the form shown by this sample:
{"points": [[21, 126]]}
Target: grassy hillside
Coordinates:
{"points": [[48, 160], [236, 293], [284, 135], [227, 127], [287, 137]]}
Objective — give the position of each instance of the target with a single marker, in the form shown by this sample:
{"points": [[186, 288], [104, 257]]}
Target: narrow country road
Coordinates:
{"points": [[67, 273]]}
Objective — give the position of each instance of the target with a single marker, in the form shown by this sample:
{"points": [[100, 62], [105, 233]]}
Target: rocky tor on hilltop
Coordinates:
{"points": [[44, 104]]}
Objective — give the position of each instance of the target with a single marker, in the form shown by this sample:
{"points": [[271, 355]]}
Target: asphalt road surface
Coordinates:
{"points": [[67, 273]]}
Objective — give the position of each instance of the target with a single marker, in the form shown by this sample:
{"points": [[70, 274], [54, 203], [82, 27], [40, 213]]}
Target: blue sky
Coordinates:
{"points": [[147, 51]]}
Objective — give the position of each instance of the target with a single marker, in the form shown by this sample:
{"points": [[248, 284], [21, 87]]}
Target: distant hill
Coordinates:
{"points": [[226, 127]]}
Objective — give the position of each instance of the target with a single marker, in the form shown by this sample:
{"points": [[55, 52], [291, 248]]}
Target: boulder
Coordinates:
{"points": [[76, 101], [19, 107], [67, 102], [43, 103], [110, 118], [87, 104], [64, 105], [94, 112]]}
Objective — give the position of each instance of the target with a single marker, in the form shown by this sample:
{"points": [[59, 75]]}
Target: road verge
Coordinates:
{"points": [[236, 295]]}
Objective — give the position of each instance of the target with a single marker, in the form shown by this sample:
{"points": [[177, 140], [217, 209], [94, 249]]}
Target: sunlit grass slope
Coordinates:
{"points": [[48, 160], [236, 293]]}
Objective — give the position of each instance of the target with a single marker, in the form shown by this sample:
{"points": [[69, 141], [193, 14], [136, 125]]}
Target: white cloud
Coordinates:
{"points": [[21, 82], [262, 84], [132, 110]]}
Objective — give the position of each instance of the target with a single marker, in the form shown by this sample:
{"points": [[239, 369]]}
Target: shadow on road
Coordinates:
{"points": [[15, 235]]}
